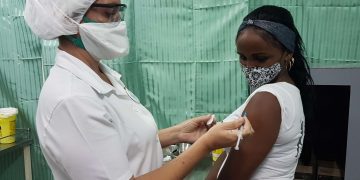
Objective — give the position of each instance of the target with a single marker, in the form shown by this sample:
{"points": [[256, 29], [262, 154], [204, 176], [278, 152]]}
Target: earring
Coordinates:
{"points": [[291, 63]]}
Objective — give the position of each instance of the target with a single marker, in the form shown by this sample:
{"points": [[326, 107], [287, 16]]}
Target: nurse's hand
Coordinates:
{"points": [[220, 135], [225, 134], [192, 129]]}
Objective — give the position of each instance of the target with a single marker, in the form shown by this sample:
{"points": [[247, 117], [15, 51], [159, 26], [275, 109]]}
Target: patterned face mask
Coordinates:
{"points": [[258, 76]]}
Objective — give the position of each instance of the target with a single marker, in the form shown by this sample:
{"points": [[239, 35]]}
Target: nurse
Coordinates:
{"points": [[89, 125]]}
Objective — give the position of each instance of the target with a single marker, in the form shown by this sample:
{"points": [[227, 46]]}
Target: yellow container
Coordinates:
{"points": [[216, 153], [7, 125]]}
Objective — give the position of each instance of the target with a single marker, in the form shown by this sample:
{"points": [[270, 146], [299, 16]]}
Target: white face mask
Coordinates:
{"points": [[105, 41]]}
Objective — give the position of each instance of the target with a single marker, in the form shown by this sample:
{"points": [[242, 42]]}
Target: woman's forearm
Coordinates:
{"points": [[221, 135], [169, 136], [180, 166]]}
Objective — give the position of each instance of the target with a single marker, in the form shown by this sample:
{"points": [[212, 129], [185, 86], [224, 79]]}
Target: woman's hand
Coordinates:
{"points": [[220, 135], [225, 134], [192, 129]]}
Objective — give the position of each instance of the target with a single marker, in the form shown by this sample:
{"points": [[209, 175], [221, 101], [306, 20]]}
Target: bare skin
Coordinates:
{"points": [[220, 135], [263, 109], [192, 131], [98, 15]]}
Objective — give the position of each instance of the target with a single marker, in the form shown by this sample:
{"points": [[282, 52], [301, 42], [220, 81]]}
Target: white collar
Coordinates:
{"points": [[85, 73]]}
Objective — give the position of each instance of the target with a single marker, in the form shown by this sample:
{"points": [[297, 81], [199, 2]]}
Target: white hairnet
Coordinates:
{"points": [[50, 19]]}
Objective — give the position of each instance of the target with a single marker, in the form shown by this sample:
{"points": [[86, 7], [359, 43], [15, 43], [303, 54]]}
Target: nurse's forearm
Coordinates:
{"points": [[180, 166], [169, 136]]}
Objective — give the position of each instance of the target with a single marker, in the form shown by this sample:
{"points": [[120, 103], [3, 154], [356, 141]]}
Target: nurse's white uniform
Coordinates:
{"points": [[89, 129]]}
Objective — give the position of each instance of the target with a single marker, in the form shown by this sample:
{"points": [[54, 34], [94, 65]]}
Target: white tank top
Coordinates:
{"points": [[281, 162]]}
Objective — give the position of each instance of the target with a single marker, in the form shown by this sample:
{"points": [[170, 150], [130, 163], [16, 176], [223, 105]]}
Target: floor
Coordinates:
{"points": [[327, 170]]}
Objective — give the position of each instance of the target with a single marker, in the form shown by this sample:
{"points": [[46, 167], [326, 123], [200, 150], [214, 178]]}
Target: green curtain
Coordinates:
{"points": [[330, 30], [182, 61]]}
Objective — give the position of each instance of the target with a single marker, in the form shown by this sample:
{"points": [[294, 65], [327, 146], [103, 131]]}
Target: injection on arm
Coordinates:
{"points": [[240, 132]]}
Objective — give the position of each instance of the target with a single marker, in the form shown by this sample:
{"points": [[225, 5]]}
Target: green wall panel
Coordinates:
{"points": [[182, 60], [12, 166], [330, 30], [163, 30], [8, 86], [7, 39], [41, 170], [169, 92], [220, 88], [215, 28]]}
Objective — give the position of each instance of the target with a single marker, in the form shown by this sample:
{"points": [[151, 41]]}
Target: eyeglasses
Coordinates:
{"points": [[116, 12]]}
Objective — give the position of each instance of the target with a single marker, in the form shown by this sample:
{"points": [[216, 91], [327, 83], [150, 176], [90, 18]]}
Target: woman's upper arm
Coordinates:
{"points": [[264, 113]]}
